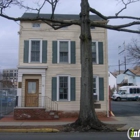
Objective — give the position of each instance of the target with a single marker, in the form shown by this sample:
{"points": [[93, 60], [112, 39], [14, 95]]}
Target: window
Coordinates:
{"points": [[138, 90], [35, 51], [63, 51], [11, 74], [96, 86], [94, 52], [63, 88], [92, 27], [97, 52], [36, 25]]}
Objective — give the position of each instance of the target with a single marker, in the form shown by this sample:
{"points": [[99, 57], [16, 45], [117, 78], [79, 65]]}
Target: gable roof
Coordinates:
{"points": [[135, 71], [60, 16]]}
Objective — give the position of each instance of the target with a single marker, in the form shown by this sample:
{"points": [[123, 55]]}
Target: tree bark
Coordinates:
{"points": [[87, 116]]}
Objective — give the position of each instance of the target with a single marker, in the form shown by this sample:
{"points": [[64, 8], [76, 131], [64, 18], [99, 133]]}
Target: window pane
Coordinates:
{"points": [[94, 52], [63, 87], [134, 90], [35, 51], [63, 51], [32, 87], [63, 46], [131, 90]]}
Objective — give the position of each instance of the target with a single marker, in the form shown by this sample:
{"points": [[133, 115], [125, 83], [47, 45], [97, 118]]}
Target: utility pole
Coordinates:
{"points": [[125, 62], [119, 65]]}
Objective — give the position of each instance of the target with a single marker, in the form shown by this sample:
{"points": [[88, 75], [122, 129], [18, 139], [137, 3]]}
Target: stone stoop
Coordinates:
{"points": [[35, 114]]}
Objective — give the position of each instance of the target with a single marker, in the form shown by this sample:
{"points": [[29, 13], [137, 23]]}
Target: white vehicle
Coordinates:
{"points": [[128, 93]]}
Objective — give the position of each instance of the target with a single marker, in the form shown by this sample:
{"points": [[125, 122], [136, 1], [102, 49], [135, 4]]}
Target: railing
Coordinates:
{"points": [[37, 101], [51, 105]]}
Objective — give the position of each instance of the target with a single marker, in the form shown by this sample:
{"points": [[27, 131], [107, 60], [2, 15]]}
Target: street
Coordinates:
{"points": [[65, 136], [125, 108]]}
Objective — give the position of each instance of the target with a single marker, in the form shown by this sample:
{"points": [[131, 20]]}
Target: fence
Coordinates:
{"points": [[7, 101]]}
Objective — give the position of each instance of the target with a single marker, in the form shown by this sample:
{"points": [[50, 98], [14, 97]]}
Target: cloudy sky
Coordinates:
{"points": [[9, 39]]}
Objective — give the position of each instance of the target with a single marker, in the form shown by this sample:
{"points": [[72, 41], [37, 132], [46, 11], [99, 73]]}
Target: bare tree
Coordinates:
{"points": [[6, 82], [87, 117], [133, 52]]}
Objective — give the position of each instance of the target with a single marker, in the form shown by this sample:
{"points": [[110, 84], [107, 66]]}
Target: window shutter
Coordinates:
{"points": [[100, 51], [54, 88], [101, 89], [73, 57], [72, 85], [44, 51], [54, 52], [26, 51]]}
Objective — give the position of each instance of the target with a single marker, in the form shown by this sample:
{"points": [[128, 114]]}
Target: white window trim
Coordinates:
{"points": [[58, 53], [30, 50], [97, 86], [97, 52], [68, 87]]}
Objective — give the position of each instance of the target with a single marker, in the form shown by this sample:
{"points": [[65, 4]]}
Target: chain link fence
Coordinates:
{"points": [[7, 101]]}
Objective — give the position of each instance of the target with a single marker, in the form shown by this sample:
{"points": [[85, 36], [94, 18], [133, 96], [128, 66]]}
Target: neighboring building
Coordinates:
{"points": [[49, 69], [10, 75], [112, 80], [129, 77]]}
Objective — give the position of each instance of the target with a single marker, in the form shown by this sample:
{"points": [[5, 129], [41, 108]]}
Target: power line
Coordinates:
{"points": [[122, 64]]}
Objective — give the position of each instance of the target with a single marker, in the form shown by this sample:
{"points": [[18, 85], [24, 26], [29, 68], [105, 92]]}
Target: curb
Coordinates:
{"points": [[40, 130], [122, 129]]}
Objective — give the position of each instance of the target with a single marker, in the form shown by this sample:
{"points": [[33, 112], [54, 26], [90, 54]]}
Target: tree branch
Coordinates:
{"points": [[125, 5], [116, 28]]}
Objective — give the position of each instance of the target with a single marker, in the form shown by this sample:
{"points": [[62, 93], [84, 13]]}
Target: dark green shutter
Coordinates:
{"points": [[54, 88], [73, 57], [72, 85], [101, 54], [54, 52], [26, 51], [44, 51], [101, 89]]}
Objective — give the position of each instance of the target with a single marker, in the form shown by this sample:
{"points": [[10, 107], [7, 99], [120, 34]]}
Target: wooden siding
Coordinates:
{"points": [[71, 33]]}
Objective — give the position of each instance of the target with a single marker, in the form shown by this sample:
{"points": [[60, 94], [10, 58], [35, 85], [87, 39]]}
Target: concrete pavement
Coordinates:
{"points": [[131, 121]]}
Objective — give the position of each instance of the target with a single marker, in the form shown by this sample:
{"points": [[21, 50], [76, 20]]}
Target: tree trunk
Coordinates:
{"points": [[87, 116]]}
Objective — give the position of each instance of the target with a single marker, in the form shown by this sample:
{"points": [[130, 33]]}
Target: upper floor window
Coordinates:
{"points": [[92, 27], [94, 52], [65, 28], [97, 52], [35, 50], [63, 51], [36, 25]]}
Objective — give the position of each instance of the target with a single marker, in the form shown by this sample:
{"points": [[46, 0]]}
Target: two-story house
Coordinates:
{"points": [[49, 69]]}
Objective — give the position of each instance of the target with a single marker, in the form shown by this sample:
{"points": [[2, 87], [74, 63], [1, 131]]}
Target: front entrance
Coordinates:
{"points": [[31, 92]]}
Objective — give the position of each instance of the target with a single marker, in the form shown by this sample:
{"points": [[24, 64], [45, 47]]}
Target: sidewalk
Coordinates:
{"points": [[7, 122]]}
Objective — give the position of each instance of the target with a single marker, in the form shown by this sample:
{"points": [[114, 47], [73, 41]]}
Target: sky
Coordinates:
{"points": [[9, 38]]}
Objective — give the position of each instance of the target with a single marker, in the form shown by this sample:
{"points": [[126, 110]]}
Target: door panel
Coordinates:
{"points": [[31, 92]]}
